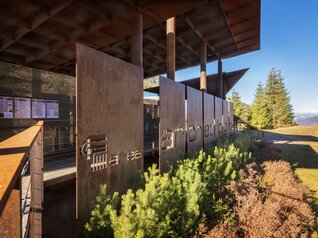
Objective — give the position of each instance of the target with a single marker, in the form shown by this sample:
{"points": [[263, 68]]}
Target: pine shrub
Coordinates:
{"points": [[173, 204]]}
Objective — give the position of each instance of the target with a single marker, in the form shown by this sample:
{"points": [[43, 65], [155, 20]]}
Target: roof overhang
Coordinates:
{"points": [[42, 34], [230, 79]]}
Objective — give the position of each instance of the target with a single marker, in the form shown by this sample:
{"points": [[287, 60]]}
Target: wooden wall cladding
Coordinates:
{"points": [[194, 120], [218, 116], [109, 125], [208, 120], [172, 122]]}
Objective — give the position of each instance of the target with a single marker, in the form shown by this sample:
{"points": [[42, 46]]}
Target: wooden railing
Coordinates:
{"points": [[21, 184]]}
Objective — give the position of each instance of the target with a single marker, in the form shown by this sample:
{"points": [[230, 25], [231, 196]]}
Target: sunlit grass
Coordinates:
{"points": [[301, 150]]}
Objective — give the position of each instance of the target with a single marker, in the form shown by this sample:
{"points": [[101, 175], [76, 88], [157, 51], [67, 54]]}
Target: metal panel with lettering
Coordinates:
{"points": [[172, 122], [109, 125], [208, 120], [231, 117], [218, 116], [194, 120], [225, 118]]}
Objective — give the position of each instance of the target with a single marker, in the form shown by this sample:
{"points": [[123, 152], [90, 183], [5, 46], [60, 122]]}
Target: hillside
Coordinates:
{"points": [[306, 119]]}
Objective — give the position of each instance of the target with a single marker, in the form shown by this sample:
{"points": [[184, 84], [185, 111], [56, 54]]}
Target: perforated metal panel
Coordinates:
{"points": [[172, 122], [218, 116], [231, 117], [225, 118], [194, 120], [109, 124], [208, 112]]}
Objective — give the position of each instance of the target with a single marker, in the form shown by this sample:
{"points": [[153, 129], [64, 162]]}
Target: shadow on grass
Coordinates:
{"points": [[297, 150]]}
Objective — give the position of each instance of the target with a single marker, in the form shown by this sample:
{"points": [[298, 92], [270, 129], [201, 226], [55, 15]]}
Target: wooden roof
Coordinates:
{"points": [[42, 34], [230, 78]]}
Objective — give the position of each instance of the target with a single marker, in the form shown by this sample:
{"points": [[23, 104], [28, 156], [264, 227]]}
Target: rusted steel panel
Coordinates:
{"points": [[194, 120], [208, 120], [172, 122], [10, 218], [218, 116], [36, 173], [231, 117], [225, 118], [109, 125]]}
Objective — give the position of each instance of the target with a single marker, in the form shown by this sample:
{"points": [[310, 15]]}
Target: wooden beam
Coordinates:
{"points": [[171, 47], [203, 67], [136, 50], [54, 11], [229, 26], [199, 34], [220, 84]]}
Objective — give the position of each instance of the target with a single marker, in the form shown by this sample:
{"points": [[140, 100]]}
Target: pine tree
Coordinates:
{"points": [[260, 114], [241, 110], [278, 100]]}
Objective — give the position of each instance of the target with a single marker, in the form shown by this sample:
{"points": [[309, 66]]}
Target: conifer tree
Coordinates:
{"points": [[278, 100], [260, 114], [241, 110]]}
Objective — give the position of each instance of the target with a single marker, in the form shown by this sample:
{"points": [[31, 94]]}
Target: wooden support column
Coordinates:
{"points": [[203, 83], [220, 84], [224, 90], [136, 49], [171, 47]]}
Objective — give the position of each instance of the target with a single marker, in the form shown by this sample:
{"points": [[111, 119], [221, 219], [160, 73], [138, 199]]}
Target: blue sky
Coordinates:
{"points": [[289, 42]]}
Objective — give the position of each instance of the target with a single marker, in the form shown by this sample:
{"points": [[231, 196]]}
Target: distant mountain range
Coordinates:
{"points": [[306, 119]]}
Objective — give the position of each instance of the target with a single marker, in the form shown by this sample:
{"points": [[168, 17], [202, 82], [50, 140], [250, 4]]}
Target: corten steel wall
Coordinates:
{"points": [[218, 116], [231, 117], [172, 122], [36, 173], [208, 103], [10, 219], [109, 110], [194, 120], [225, 117]]}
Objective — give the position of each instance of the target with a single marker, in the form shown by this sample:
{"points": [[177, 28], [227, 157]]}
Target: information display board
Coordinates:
{"points": [[6, 107], [38, 108], [22, 108], [52, 109]]}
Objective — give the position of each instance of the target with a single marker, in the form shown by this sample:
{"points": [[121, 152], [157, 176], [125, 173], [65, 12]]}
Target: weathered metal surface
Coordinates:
{"points": [[218, 116], [36, 173], [194, 120], [109, 125], [231, 117], [13, 156], [172, 122], [10, 218], [208, 119], [225, 117]]}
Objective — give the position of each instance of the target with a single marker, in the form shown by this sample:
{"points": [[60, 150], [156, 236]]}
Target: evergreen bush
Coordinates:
{"points": [[173, 204]]}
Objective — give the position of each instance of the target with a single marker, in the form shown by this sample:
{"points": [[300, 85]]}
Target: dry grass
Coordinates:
{"points": [[269, 202], [299, 145]]}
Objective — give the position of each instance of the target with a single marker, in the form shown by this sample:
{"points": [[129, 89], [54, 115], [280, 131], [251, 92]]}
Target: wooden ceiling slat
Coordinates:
{"points": [[203, 38], [42, 34]]}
